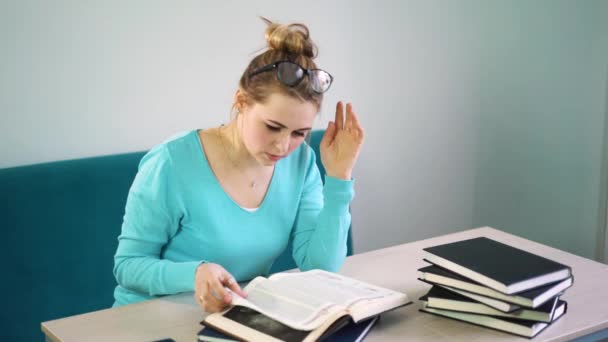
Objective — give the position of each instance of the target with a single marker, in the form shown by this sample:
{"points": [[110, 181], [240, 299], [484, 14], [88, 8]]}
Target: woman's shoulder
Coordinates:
{"points": [[180, 140], [172, 148]]}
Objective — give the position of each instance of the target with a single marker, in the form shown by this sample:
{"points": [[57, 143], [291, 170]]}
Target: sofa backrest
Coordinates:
{"points": [[60, 223]]}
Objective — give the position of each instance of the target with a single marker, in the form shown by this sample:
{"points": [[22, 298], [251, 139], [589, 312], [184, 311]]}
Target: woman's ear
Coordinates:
{"points": [[240, 101]]}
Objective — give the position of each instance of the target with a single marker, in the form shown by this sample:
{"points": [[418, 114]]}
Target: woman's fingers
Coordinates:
{"points": [[348, 123], [339, 116], [200, 299], [219, 292], [234, 286], [207, 302], [215, 287], [346, 119], [356, 125]]}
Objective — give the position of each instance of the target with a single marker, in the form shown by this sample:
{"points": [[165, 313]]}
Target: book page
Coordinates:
{"points": [[305, 300], [360, 299], [293, 307], [330, 287]]}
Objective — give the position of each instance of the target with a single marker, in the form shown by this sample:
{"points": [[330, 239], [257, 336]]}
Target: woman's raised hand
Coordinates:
{"points": [[341, 143]]}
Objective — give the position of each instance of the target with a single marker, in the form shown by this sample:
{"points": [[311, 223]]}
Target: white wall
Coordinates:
{"points": [[601, 45], [601, 253], [416, 177], [82, 78], [542, 125]]}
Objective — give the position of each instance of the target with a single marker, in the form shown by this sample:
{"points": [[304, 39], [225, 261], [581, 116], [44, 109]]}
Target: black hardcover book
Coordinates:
{"points": [[439, 298], [353, 332], [208, 334], [501, 267], [513, 326], [505, 307], [529, 299]]}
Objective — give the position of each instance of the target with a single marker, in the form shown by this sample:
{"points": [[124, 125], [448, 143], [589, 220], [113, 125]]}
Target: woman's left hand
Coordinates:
{"points": [[341, 143]]}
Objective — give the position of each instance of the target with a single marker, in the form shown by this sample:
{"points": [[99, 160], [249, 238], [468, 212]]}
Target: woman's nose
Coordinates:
{"points": [[282, 143]]}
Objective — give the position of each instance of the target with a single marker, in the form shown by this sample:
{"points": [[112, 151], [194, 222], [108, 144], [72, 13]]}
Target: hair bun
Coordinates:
{"points": [[292, 39]]}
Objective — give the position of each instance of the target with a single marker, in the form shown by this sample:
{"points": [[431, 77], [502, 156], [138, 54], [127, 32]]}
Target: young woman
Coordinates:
{"points": [[216, 206]]}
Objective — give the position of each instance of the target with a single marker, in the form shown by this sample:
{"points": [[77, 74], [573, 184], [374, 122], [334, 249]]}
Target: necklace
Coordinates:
{"points": [[253, 183]]}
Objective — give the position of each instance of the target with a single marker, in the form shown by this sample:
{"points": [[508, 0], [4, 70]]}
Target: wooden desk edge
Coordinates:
{"points": [[48, 333]]}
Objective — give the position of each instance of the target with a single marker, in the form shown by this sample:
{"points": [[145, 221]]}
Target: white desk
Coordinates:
{"points": [[178, 317]]}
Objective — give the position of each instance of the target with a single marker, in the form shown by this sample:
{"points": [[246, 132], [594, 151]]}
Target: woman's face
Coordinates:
{"points": [[274, 129]]}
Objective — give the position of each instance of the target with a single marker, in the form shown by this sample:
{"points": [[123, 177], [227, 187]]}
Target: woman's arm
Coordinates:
{"points": [[322, 222], [323, 218], [152, 216]]}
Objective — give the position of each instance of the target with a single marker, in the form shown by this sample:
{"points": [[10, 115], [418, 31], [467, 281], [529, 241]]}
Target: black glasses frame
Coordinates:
{"points": [[305, 72]]}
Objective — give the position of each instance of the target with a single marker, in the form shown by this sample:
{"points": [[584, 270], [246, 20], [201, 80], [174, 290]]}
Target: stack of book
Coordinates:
{"points": [[487, 283]]}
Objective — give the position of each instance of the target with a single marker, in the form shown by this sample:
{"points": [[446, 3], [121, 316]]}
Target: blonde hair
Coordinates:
{"points": [[284, 42]]}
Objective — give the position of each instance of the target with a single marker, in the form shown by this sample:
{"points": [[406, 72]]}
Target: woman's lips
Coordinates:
{"points": [[273, 157]]}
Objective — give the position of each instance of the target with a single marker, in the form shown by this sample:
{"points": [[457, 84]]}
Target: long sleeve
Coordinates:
{"points": [[152, 217], [322, 221]]}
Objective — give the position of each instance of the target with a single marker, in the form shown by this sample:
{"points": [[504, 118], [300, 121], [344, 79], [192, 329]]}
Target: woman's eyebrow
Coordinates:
{"points": [[283, 126]]}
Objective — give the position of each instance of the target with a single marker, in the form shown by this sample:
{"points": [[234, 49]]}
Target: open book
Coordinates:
{"points": [[302, 306], [352, 332]]}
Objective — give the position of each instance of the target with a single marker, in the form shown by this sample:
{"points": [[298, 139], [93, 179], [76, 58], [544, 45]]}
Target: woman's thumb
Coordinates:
{"points": [[328, 137]]}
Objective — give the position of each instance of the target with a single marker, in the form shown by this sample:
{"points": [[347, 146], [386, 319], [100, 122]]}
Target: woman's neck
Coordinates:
{"points": [[231, 137]]}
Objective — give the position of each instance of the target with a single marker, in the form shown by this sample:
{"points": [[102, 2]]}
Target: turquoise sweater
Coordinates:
{"points": [[177, 215]]}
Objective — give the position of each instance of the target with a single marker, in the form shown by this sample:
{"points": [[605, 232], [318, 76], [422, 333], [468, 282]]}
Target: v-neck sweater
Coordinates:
{"points": [[178, 215]]}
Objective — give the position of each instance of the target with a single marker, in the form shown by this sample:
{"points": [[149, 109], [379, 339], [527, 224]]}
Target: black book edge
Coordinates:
{"points": [[514, 307], [473, 282], [551, 313], [332, 332], [210, 328], [465, 278], [223, 332], [369, 324], [336, 326], [229, 312], [454, 296], [504, 331], [557, 300], [506, 286], [565, 310], [503, 317]]}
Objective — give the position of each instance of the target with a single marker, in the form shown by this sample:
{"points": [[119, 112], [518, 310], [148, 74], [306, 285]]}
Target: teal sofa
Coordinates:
{"points": [[60, 223]]}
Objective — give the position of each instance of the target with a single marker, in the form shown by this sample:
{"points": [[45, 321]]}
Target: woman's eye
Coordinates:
{"points": [[273, 128], [299, 134]]}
